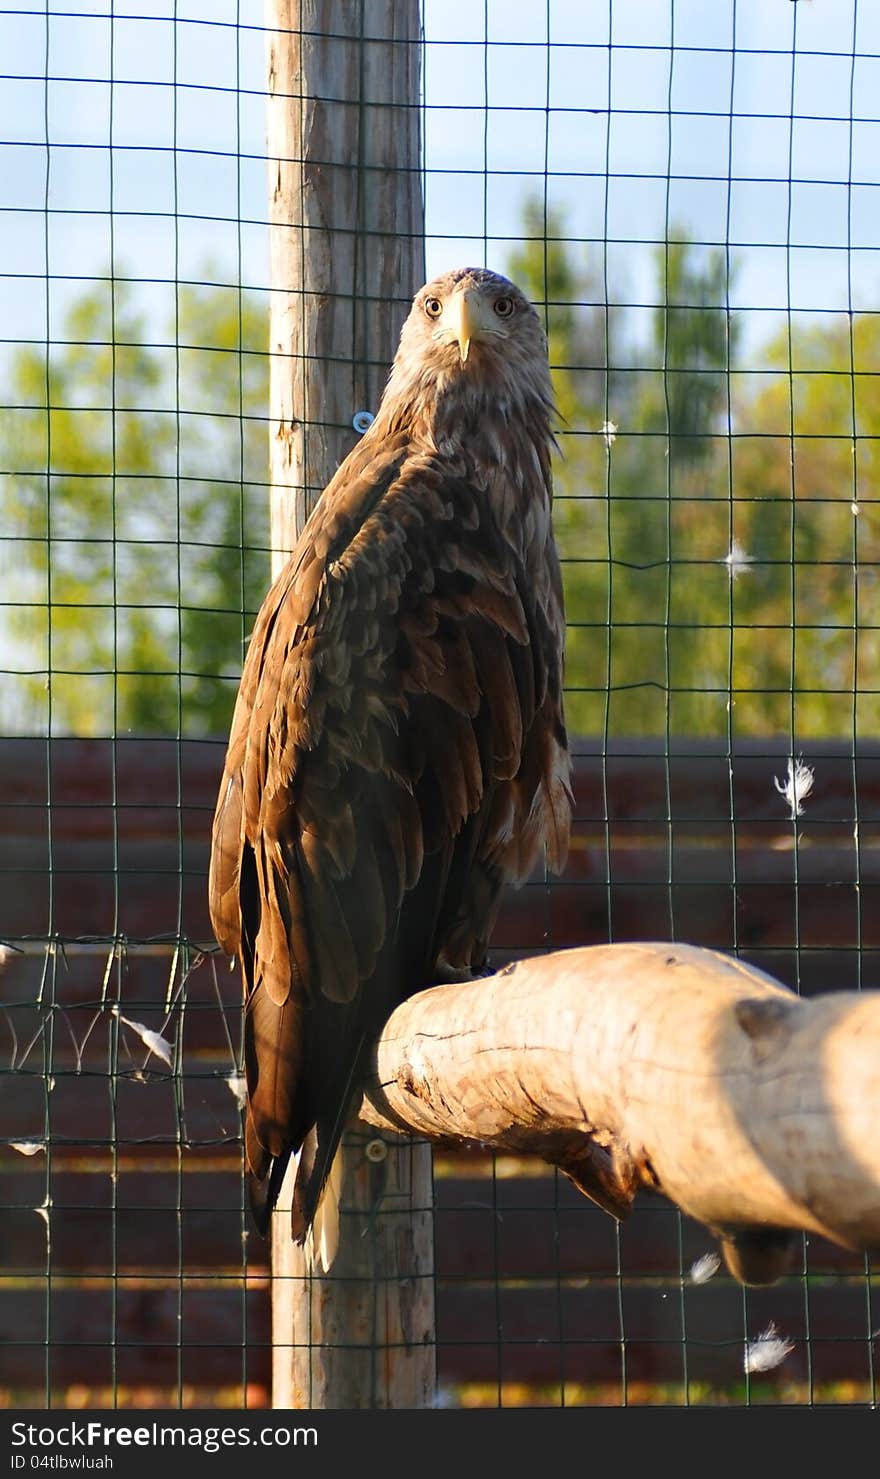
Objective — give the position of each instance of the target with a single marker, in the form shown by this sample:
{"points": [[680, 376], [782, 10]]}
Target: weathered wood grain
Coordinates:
{"points": [[655, 1065], [346, 233]]}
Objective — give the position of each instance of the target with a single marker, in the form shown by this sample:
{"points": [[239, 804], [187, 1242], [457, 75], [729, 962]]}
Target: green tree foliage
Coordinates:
{"points": [[717, 527], [720, 550], [806, 465], [642, 437], [134, 514]]}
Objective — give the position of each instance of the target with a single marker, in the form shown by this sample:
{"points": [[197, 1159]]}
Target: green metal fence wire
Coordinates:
{"points": [[689, 193]]}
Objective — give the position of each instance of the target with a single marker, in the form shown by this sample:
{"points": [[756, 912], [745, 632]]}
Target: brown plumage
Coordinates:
{"points": [[397, 753]]}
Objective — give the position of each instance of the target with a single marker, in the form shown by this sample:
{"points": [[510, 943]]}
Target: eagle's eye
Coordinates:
{"points": [[433, 307], [504, 307]]}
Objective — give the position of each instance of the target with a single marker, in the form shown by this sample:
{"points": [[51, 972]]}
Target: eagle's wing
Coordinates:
{"points": [[398, 737]]}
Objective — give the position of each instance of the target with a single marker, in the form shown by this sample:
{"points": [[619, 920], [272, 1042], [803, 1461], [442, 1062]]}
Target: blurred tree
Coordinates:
{"points": [[582, 333], [721, 551], [570, 300], [684, 412], [694, 340], [644, 441], [134, 514], [806, 460]]}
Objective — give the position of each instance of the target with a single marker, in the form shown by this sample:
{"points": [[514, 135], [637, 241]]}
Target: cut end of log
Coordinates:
{"points": [[758, 1256]]}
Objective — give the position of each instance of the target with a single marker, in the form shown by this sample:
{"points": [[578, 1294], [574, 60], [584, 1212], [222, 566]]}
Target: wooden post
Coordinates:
{"points": [[347, 229], [346, 256]]}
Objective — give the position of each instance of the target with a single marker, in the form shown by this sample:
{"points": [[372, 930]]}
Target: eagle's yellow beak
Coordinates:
{"points": [[462, 321]]}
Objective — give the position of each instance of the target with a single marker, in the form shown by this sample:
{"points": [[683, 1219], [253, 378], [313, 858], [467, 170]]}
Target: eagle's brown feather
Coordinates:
{"points": [[397, 752]]}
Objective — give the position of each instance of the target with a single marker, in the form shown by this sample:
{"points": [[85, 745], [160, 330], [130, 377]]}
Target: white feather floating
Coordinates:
{"points": [[767, 1350], [736, 560], [705, 1268], [797, 785], [154, 1041], [238, 1088]]}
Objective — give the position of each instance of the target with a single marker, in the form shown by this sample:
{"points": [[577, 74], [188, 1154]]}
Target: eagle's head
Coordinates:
{"points": [[474, 307], [472, 341]]}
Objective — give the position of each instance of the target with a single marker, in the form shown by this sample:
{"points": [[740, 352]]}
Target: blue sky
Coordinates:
{"points": [[699, 134]]}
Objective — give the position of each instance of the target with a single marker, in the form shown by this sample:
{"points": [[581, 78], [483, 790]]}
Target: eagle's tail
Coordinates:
{"points": [[263, 1192], [314, 1213], [322, 1238], [314, 1209], [316, 1229]]}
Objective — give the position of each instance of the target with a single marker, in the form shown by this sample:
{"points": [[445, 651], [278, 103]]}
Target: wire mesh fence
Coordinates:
{"points": [[690, 196]]}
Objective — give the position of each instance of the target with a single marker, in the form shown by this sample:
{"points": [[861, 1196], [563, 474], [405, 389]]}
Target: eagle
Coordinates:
{"points": [[398, 752]]}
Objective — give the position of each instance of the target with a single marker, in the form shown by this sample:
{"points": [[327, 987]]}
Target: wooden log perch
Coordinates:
{"points": [[663, 1066]]}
